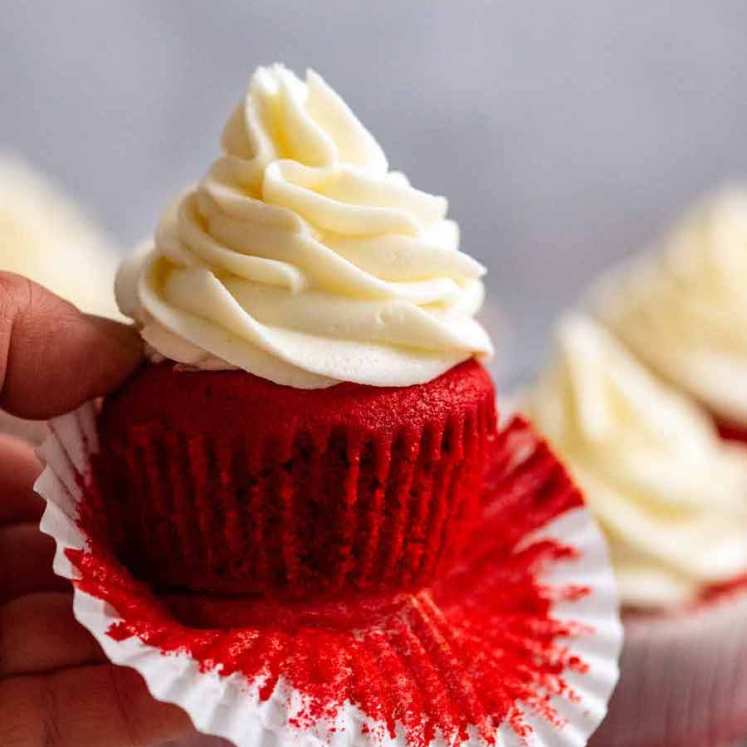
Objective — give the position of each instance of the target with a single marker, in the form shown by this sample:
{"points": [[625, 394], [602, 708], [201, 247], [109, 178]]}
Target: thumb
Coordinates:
{"points": [[52, 357]]}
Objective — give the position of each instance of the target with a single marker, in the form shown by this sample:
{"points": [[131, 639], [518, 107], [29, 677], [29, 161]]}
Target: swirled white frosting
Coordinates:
{"points": [[302, 259], [669, 494], [44, 236], [684, 311]]}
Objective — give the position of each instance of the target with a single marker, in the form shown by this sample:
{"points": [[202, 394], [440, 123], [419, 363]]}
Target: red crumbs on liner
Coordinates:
{"points": [[457, 657]]}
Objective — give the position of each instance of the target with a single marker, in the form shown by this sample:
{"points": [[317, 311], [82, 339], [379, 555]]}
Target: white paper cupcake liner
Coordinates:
{"points": [[683, 678], [233, 708]]}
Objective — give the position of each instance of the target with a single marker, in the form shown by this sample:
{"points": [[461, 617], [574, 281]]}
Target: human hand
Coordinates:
{"points": [[57, 688]]}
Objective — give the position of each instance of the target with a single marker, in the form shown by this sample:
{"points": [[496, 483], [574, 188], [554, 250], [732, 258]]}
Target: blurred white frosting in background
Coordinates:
{"points": [[682, 308], [46, 237], [670, 495]]}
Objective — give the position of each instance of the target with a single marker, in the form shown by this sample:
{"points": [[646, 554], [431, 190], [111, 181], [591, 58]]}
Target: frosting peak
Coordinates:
{"points": [[669, 493], [302, 259]]}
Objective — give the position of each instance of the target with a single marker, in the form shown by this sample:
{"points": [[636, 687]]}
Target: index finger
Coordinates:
{"points": [[52, 357]]}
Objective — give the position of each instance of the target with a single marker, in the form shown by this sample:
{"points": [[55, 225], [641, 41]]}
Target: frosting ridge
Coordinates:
{"points": [[301, 258]]}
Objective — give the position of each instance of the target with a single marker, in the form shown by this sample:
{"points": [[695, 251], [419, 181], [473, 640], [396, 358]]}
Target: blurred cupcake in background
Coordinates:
{"points": [[671, 497], [683, 311], [45, 236]]}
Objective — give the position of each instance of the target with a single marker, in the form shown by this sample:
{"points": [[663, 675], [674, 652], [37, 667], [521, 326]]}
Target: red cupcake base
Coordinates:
{"points": [[227, 483]]}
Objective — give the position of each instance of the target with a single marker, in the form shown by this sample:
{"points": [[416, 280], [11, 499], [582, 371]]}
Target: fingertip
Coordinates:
{"points": [[54, 358], [124, 335]]}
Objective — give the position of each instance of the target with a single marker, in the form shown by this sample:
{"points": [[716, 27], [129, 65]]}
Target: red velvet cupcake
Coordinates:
{"points": [[317, 421], [226, 482]]}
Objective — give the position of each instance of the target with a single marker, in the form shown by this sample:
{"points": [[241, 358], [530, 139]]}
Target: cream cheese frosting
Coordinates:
{"points": [[303, 259], [45, 237], [669, 494], [683, 311]]}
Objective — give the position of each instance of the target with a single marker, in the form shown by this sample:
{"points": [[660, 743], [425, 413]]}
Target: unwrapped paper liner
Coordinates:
{"points": [[231, 707], [683, 678]]}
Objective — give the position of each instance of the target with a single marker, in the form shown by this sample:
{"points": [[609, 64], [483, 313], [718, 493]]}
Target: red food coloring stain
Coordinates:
{"points": [[473, 651], [716, 592], [732, 431]]}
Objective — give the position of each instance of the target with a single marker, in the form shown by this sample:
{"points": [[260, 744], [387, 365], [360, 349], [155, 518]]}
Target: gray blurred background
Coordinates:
{"points": [[565, 135]]}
